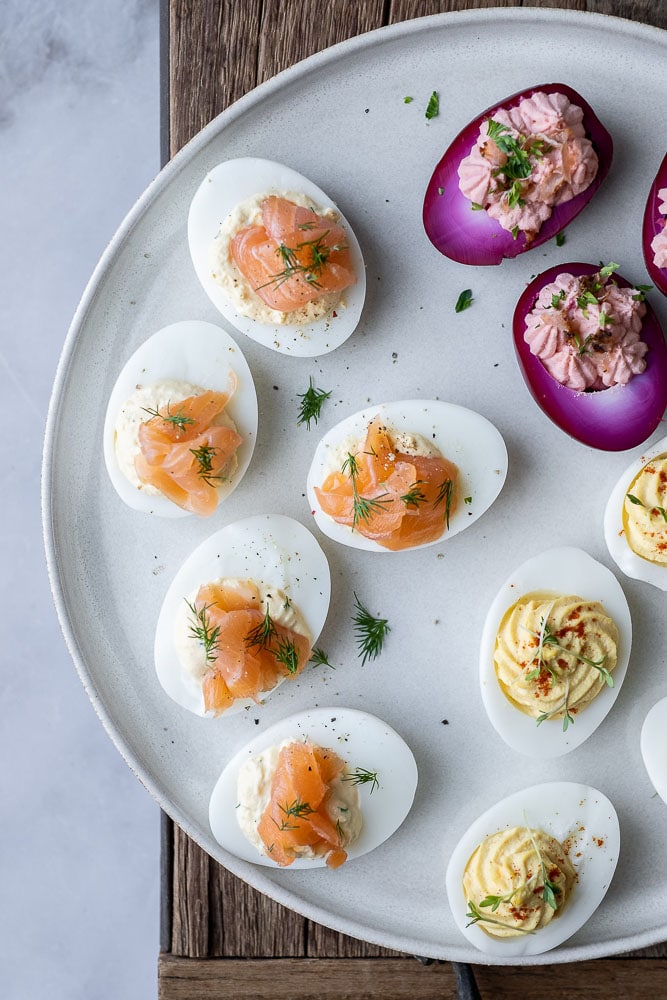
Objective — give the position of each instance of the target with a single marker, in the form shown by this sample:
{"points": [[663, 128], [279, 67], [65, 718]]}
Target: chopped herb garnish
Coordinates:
{"points": [[476, 207], [360, 776], [263, 633], [178, 419], [370, 632], [560, 239], [515, 232], [641, 292], [608, 269], [445, 493], [433, 106], [204, 457], [311, 404], [287, 654], [203, 630], [311, 268], [658, 510], [467, 499], [414, 496], [464, 300], [408, 100], [320, 659]]}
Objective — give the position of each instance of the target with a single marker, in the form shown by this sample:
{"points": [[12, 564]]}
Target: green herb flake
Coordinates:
{"points": [[408, 100], [433, 106], [560, 239], [311, 404], [464, 300], [476, 207]]}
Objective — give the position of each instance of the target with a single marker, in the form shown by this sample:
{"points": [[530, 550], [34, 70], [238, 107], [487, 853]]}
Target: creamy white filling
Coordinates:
{"points": [[226, 274], [404, 441], [254, 792]]}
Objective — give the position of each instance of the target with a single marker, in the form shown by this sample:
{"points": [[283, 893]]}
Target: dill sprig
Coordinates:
{"points": [[414, 496], [446, 494], [311, 269], [311, 404], [287, 654], [370, 632], [320, 659], [362, 507], [263, 633], [178, 419], [204, 457], [360, 776], [294, 810], [203, 630]]}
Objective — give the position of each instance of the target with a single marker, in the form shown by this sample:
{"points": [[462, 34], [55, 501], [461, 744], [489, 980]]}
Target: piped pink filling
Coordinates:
{"points": [[587, 331], [548, 129], [659, 242]]}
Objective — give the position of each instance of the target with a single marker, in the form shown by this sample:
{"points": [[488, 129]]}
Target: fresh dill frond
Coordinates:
{"points": [[263, 633], [320, 659], [203, 630], [414, 496], [204, 457], [287, 654], [363, 508], [446, 495], [311, 404], [360, 776], [178, 419], [370, 632]]}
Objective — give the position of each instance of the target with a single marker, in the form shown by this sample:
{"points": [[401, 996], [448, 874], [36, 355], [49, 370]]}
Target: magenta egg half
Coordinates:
{"points": [[613, 419], [654, 222], [473, 237]]}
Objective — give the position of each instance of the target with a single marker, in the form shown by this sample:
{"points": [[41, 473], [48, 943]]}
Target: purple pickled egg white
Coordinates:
{"points": [[613, 419], [473, 237], [653, 224]]}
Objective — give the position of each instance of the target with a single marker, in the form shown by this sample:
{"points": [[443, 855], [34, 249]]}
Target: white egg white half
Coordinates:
{"points": [[225, 187], [562, 571], [572, 813], [269, 549], [463, 436], [190, 351], [653, 743], [619, 550], [362, 741]]}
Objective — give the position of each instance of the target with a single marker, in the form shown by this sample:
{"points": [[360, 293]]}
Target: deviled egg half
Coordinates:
{"points": [[635, 519], [554, 652], [356, 811], [242, 615], [181, 422], [405, 475], [276, 257], [653, 744], [531, 870]]}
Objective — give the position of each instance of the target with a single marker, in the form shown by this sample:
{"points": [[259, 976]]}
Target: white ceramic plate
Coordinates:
{"points": [[110, 569]]}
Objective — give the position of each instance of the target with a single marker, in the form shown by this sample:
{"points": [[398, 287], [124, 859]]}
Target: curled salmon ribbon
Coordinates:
{"points": [[296, 816], [185, 452], [247, 653], [294, 256], [397, 499]]}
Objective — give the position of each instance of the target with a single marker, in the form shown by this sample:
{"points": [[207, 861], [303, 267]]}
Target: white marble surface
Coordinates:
{"points": [[79, 836]]}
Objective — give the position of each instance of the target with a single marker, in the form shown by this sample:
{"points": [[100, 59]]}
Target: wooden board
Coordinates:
{"points": [[213, 52]]}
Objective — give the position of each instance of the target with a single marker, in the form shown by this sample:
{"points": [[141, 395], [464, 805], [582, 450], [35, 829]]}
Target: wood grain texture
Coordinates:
{"points": [[401, 979], [217, 51]]}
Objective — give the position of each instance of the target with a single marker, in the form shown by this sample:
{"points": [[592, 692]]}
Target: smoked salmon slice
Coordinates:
{"points": [[296, 815], [294, 256], [247, 652], [185, 451], [398, 499]]}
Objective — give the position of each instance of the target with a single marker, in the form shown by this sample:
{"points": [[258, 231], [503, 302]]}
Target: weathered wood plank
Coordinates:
{"points": [[401, 979]]}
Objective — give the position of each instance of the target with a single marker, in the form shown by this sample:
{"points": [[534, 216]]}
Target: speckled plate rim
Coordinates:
{"points": [[476, 20]]}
